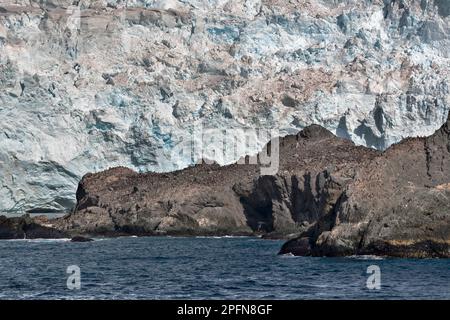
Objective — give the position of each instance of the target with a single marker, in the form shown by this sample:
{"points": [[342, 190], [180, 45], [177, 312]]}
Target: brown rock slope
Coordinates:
{"points": [[398, 204], [338, 198], [232, 200]]}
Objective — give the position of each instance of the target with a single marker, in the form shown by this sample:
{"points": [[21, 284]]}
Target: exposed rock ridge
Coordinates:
{"points": [[337, 198], [398, 204]]}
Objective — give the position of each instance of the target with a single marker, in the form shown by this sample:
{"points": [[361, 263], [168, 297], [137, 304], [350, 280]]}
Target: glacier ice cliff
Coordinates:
{"points": [[91, 84]]}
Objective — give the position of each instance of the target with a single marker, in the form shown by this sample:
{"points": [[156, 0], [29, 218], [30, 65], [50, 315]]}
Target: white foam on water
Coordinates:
{"points": [[366, 257], [288, 255], [40, 240], [223, 237]]}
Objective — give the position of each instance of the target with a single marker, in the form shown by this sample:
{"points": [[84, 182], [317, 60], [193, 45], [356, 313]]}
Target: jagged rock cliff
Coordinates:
{"points": [[338, 198], [397, 204], [91, 84], [212, 199]]}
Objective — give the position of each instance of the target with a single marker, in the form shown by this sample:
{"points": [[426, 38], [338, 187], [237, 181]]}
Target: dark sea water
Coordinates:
{"points": [[199, 268]]}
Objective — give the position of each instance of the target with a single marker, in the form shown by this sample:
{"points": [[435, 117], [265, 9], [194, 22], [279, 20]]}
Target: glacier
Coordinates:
{"points": [[91, 84]]}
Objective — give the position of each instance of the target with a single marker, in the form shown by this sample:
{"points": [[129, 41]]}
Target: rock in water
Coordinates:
{"points": [[81, 239], [340, 199], [373, 71]]}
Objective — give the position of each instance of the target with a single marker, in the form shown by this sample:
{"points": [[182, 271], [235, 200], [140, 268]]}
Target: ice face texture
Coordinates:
{"points": [[87, 85]]}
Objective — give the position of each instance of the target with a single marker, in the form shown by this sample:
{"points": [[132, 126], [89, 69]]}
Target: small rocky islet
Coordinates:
{"points": [[329, 198]]}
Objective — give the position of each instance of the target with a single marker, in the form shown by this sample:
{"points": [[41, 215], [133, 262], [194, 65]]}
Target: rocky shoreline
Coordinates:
{"points": [[329, 197], [26, 227]]}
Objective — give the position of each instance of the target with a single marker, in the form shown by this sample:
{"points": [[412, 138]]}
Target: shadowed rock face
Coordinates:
{"points": [[397, 204], [332, 197], [27, 228]]}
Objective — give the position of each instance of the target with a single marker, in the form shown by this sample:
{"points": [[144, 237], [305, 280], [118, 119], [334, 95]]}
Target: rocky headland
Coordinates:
{"points": [[26, 227], [330, 197]]}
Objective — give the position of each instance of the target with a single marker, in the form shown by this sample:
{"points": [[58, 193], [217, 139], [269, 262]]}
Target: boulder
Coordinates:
{"points": [[81, 239]]}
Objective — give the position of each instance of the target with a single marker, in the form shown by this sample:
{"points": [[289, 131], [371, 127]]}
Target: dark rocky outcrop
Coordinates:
{"points": [[27, 228], [398, 204], [214, 200], [81, 239], [331, 197]]}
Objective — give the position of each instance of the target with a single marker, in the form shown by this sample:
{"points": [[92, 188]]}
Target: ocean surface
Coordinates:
{"points": [[205, 268]]}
